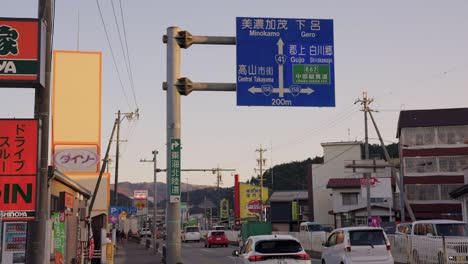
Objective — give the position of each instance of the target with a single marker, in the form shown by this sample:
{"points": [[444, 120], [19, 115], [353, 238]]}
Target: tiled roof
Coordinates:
{"points": [[432, 117], [344, 183], [347, 183], [287, 196]]}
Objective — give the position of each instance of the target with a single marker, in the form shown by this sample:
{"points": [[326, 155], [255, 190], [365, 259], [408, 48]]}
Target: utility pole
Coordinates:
{"points": [[365, 101], [397, 181], [155, 197], [37, 228], [117, 151], [188, 200], [261, 162]]}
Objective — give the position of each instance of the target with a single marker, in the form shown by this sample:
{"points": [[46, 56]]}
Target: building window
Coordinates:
{"points": [[453, 164], [445, 190], [453, 135], [54, 204], [420, 165], [378, 200], [418, 136], [350, 198], [422, 192]]}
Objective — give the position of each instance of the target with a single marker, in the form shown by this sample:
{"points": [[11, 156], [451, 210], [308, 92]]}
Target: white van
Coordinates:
{"points": [[191, 233], [310, 227], [357, 245]]}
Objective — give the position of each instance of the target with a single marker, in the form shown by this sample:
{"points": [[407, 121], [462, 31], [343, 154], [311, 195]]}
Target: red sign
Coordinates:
{"points": [[20, 51], [254, 206], [373, 181], [62, 217], [18, 168]]}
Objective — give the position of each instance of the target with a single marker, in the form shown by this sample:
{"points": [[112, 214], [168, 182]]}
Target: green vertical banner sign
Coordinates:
{"points": [[175, 171], [294, 211], [224, 209], [59, 237]]}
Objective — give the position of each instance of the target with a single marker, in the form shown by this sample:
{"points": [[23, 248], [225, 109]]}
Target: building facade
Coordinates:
{"points": [[350, 201], [335, 154], [433, 153]]}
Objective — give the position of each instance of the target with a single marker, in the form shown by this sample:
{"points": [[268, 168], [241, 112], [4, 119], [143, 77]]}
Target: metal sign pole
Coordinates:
{"points": [[173, 244]]}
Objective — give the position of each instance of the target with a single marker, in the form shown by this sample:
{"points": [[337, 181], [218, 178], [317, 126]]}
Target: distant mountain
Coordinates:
{"points": [[127, 188]]}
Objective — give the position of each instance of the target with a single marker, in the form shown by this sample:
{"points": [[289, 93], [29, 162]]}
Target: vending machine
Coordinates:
{"points": [[14, 242]]}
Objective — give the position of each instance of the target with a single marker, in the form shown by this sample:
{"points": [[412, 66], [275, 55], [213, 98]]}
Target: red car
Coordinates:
{"points": [[216, 237]]}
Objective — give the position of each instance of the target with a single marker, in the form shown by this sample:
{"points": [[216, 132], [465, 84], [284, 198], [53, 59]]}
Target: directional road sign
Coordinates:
{"points": [[285, 62], [175, 171]]}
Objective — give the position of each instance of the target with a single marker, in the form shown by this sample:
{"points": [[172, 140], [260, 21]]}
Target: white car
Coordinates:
{"points": [[357, 245], [191, 233], [427, 245], [272, 249], [144, 232]]}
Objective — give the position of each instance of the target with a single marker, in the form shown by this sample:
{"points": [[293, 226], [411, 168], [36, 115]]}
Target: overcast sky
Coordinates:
{"points": [[405, 54]]}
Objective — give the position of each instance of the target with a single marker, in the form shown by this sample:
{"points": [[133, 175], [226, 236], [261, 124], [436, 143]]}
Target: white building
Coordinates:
{"points": [[335, 154]]}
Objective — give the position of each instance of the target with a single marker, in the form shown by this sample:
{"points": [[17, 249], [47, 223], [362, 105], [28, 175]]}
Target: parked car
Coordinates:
{"points": [[357, 245], [144, 232], [327, 228], [219, 227], [403, 229], [191, 233], [272, 249], [427, 242], [216, 237]]}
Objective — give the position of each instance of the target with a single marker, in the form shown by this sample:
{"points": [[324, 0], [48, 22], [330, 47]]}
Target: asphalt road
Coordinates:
{"points": [[197, 253]]}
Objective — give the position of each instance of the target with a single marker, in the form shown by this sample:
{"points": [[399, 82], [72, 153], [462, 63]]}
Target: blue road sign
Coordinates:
{"points": [[285, 62], [117, 210]]}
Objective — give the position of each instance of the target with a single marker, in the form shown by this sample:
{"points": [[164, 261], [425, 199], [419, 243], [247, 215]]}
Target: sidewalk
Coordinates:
{"points": [[133, 252]]}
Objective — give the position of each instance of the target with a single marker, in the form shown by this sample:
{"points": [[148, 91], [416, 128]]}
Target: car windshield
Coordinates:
{"points": [[219, 228], [192, 229], [278, 246], [367, 237], [452, 229], [217, 233], [313, 228]]}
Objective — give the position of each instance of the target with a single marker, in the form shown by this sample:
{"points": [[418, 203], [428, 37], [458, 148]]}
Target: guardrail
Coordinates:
{"points": [[405, 248]]}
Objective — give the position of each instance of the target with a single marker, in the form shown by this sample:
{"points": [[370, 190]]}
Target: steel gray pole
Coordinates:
{"points": [[35, 251], [173, 244], [155, 200], [366, 149]]}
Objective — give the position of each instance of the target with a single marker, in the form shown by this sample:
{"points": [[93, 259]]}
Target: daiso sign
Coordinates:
{"points": [[254, 206]]}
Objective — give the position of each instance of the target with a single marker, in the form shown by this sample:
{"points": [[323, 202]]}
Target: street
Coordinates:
{"points": [[197, 253]]}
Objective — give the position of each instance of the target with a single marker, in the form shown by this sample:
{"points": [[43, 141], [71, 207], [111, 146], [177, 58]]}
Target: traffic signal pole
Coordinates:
{"points": [[176, 86], [173, 225]]}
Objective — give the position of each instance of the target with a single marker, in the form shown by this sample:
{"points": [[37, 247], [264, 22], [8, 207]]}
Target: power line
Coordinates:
{"points": [[344, 114], [128, 54], [112, 53]]}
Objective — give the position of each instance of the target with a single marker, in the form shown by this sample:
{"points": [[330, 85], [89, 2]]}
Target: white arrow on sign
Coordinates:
{"points": [[280, 68], [281, 90], [306, 90], [174, 145]]}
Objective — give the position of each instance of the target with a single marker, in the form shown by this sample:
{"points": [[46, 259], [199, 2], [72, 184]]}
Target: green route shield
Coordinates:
{"points": [[311, 73], [174, 184]]}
